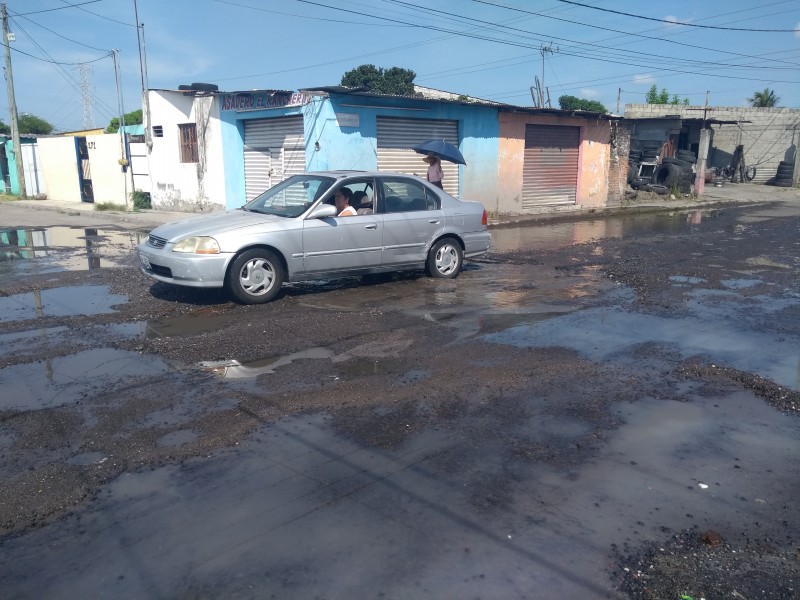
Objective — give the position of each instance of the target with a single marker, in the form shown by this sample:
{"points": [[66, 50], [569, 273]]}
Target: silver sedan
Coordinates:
{"points": [[292, 232]]}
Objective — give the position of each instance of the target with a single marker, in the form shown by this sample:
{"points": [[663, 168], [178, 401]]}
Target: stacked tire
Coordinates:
{"points": [[634, 160], [785, 174], [677, 171], [650, 150]]}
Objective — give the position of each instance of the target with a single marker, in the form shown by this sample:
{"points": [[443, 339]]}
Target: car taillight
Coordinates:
{"points": [[485, 218]]}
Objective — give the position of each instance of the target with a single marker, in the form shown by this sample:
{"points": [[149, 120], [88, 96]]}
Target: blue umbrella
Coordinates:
{"points": [[440, 148]]}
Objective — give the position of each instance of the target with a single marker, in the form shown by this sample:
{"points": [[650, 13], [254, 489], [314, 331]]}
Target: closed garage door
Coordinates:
{"points": [[550, 172], [274, 149], [396, 136]]}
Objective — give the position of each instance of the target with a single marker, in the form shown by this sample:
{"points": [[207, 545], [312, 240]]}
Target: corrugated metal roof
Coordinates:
{"points": [[365, 93]]}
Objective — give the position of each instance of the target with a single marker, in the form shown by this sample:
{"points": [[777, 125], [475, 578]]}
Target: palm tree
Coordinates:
{"points": [[765, 99]]}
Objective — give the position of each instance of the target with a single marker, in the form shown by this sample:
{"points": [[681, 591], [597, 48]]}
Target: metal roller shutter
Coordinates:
{"points": [[396, 136], [550, 171], [274, 149]]}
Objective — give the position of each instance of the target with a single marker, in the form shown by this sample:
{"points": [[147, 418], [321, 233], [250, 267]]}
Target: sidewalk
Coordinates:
{"points": [[731, 193]]}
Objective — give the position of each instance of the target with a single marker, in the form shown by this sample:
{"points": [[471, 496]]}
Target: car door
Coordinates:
{"points": [[343, 243], [412, 219]]}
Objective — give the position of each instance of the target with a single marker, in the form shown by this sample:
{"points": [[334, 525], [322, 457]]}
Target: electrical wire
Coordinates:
{"points": [[596, 49], [625, 33], [99, 103], [285, 14], [55, 62], [97, 15], [36, 12], [618, 12], [62, 36]]}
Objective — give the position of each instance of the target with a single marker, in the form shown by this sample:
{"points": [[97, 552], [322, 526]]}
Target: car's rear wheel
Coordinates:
{"points": [[445, 259], [255, 276]]}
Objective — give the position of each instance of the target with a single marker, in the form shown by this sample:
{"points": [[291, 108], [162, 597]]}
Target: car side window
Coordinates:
{"points": [[401, 195]]}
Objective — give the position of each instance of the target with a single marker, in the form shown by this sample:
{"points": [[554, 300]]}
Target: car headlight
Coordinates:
{"points": [[197, 245]]}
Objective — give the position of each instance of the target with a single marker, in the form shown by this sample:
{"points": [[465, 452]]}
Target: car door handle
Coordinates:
{"points": [[433, 221], [372, 226]]}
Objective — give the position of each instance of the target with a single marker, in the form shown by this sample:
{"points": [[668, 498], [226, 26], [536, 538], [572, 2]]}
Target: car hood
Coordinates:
{"points": [[219, 223]]}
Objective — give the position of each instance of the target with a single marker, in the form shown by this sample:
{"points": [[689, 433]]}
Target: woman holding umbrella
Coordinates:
{"points": [[435, 173]]}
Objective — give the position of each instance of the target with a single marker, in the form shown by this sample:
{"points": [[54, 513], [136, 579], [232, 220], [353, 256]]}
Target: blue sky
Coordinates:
{"points": [[486, 48]]}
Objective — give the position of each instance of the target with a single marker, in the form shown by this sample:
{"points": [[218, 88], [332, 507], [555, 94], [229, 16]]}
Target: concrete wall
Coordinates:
{"points": [[770, 136], [618, 162], [196, 186], [593, 161], [108, 179], [59, 160], [356, 148]]}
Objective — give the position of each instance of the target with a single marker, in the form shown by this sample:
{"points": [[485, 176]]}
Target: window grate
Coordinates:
{"points": [[188, 134]]}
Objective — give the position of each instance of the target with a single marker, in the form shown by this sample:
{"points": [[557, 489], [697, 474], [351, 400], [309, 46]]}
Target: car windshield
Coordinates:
{"points": [[291, 197]]}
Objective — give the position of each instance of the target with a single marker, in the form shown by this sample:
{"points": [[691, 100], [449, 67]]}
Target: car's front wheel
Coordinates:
{"points": [[255, 276], [445, 259]]}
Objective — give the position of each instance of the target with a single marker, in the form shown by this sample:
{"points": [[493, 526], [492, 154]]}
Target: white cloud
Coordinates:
{"points": [[589, 93], [644, 79]]}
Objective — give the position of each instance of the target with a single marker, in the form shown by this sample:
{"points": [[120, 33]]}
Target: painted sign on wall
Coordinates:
{"points": [[262, 100]]}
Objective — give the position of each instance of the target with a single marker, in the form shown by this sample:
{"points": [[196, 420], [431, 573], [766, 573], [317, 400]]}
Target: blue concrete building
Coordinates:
{"points": [[212, 149], [336, 128]]}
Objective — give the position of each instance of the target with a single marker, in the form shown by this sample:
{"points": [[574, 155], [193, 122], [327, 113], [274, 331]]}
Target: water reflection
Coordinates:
{"points": [[64, 248], [233, 369], [59, 302], [558, 235]]}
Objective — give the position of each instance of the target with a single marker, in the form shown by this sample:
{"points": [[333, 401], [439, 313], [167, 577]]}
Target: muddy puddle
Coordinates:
{"points": [[54, 249], [533, 503], [296, 506], [81, 300], [64, 380]]}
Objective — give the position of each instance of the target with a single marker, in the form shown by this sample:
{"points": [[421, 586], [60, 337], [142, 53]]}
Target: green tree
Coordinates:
{"points": [[5, 128], [765, 99], [131, 118], [384, 81], [32, 124], [653, 96], [574, 103]]}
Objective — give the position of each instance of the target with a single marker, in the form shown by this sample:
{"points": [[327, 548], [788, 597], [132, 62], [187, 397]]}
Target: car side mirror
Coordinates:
{"points": [[323, 211]]}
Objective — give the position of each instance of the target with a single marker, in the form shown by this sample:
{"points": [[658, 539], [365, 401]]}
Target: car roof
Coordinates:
{"points": [[353, 173]]}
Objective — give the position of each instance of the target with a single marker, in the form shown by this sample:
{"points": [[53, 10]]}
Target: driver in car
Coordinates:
{"points": [[342, 201]]}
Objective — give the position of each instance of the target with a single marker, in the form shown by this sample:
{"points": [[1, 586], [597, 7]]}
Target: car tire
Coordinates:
{"points": [[667, 175], [445, 259], [683, 164], [255, 276]]}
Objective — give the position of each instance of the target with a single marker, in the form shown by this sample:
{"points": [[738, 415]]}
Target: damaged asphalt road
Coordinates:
{"points": [[597, 409]]}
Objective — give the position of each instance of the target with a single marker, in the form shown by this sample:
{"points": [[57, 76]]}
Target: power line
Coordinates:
{"points": [[625, 33], [55, 62], [285, 14], [36, 12], [58, 67], [61, 36], [97, 15], [617, 12], [529, 46]]}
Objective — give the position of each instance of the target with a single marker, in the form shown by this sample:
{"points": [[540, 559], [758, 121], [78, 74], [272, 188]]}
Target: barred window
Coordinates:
{"points": [[188, 132]]}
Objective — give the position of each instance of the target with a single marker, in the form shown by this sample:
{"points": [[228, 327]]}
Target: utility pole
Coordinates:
{"points": [[12, 107], [619, 95], [544, 50], [148, 134]]}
